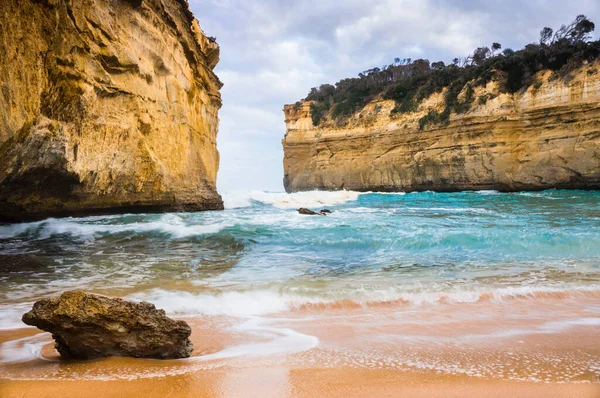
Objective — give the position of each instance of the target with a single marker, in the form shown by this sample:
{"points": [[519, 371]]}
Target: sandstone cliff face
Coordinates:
{"points": [[546, 137], [106, 106]]}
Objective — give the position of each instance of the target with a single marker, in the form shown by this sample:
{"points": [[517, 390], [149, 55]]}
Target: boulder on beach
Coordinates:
{"points": [[86, 325]]}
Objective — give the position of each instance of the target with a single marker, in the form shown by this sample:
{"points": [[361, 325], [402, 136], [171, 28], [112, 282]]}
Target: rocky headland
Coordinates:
{"points": [[106, 106], [474, 133]]}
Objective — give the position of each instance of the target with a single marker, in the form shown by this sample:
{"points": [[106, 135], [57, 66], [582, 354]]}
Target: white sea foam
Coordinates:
{"points": [[170, 224], [366, 210], [488, 192], [10, 315], [284, 200], [545, 328], [264, 302], [230, 303], [274, 341], [24, 349], [559, 326], [542, 194], [11, 230], [452, 209], [279, 341]]}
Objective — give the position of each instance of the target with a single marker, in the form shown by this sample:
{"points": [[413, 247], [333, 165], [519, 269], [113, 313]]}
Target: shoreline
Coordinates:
{"points": [[481, 294], [307, 382], [469, 350]]}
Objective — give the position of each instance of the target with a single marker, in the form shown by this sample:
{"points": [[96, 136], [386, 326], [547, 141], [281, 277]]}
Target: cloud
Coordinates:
{"points": [[274, 51]]}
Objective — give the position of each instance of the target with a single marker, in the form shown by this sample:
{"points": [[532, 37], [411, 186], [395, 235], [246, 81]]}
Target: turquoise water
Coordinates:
{"points": [[260, 256]]}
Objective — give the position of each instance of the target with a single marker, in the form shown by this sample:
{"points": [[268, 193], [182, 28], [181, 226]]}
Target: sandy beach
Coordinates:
{"points": [[390, 295], [486, 348], [313, 198], [281, 382]]}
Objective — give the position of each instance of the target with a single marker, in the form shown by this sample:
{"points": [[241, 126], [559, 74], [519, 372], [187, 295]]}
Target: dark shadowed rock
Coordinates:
{"points": [[308, 212], [88, 325], [325, 211]]}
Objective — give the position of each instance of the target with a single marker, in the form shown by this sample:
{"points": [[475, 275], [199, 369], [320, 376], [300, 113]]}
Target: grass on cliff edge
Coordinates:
{"points": [[408, 82]]}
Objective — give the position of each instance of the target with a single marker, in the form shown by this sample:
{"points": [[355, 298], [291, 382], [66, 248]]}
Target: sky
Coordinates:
{"points": [[274, 51]]}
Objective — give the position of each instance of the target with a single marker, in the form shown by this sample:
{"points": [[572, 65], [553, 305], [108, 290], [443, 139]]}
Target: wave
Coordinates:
{"points": [[278, 341], [451, 209], [24, 349], [10, 315], [282, 341], [265, 302], [487, 192], [282, 200], [542, 194], [83, 228], [230, 303]]}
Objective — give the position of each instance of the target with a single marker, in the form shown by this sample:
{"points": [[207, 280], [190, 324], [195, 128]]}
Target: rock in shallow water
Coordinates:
{"points": [[88, 325], [309, 212]]}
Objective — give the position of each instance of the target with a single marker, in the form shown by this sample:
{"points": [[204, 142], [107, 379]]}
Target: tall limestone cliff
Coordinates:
{"points": [[545, 137], [106, 106]]}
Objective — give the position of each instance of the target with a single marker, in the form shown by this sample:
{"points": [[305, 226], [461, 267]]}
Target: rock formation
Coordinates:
{"points": [[545, 137], [106, 106], [309, 212], [89, 326]]}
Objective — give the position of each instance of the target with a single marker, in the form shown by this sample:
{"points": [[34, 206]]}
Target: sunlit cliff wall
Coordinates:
{"points": [[545, 137], [106, 106]]}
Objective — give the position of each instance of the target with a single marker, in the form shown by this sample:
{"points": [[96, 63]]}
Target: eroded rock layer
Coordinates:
{"points": [[106, 106], [546, 137]]}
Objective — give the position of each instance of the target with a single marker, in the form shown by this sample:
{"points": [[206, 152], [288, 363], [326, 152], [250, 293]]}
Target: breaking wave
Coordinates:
{"points": [[82, 228], [265, 302], [282, 200], [236, 200]]}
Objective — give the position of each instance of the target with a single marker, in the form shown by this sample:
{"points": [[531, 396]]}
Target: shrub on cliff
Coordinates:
{"points": [[408, 82]]}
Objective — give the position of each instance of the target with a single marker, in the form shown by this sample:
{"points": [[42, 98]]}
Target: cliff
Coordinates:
{"points": [[106, 106], [547, 136]]}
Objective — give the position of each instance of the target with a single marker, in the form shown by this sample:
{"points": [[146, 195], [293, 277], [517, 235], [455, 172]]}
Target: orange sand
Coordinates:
{"points": [[281, 382], [483, 349]]}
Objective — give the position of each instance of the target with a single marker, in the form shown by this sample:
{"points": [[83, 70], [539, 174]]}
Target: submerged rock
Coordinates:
{"points": [[88, 325], [307, 212]]}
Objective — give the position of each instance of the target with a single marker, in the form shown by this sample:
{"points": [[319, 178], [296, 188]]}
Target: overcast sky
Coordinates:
{"points": [[273, 52]]}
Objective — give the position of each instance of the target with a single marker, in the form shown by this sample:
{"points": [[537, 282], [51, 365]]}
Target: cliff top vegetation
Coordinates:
{"points": [[408, 81]]}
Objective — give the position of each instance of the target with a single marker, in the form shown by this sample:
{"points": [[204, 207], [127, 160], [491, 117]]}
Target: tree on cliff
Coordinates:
{"points": [[546, 35], [480, 54], [496, 47], [576, 32], [408, 81]]}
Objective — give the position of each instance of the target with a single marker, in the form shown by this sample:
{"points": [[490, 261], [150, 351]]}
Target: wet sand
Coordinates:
{"points": [[281, 382]]}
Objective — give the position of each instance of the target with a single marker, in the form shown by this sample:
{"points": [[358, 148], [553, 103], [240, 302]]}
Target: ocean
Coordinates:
{"points": [[459, 283]]}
